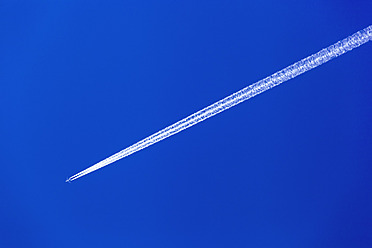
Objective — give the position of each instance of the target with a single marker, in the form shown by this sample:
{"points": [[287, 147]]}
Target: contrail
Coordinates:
{"points": [[315, 60]]}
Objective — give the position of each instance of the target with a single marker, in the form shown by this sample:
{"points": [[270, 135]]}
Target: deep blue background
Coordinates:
{"points": [[81, 80]]}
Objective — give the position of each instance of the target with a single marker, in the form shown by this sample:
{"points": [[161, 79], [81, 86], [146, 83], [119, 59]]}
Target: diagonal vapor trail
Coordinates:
{"points": [[353, 41]]}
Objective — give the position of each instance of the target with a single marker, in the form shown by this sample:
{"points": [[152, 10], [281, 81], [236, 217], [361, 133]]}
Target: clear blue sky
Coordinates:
{"points": [[81, 80]]}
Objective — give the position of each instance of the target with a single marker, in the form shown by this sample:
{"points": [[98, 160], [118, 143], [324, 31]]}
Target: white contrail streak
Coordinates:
{"points": [[321, 57]]}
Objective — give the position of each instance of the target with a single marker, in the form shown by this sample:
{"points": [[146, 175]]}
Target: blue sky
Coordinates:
{"points": [[81, 80]]}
